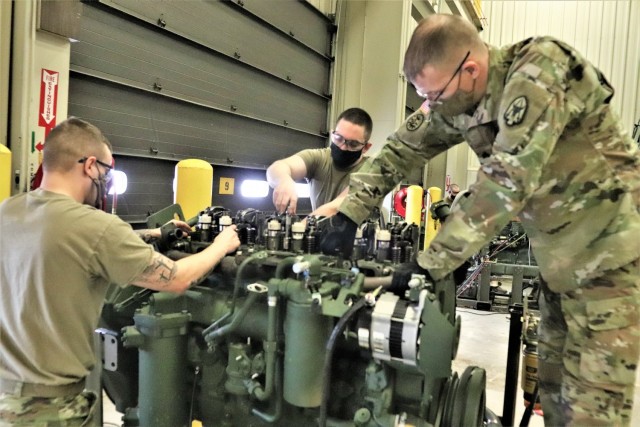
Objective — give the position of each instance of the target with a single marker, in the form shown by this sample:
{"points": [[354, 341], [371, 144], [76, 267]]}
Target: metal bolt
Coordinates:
{"points": [[370, 299], [414, 282]]}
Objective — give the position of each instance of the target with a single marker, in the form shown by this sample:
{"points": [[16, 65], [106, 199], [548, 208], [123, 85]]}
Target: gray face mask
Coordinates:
{"points": [[458, 103]]}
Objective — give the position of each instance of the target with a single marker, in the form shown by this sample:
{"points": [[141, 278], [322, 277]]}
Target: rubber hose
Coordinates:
{"points": [[326, 369]]}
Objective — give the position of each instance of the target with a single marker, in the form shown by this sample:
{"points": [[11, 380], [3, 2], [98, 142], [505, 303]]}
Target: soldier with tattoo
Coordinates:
{"points": [[553, 152], [59, 255]]}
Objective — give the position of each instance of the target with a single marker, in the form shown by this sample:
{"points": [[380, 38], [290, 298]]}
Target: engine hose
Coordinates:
{"points": [[277, 411], [238, 282], [235, 322], [326, 369], [236, 290], [263, 393]]}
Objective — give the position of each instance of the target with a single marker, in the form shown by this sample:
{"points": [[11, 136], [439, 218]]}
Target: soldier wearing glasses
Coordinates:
{"points": [[59, 256], [327, 169], [553, 152]]}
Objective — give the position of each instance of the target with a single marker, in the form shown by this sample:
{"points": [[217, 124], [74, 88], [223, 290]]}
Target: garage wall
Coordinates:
{"points": [[145, 191], [235, 83]]}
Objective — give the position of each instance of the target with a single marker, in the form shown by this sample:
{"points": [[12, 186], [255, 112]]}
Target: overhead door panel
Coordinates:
{"points": [[239, 85], [119, 50], [222, 27], [301, 23], [144, 124]]}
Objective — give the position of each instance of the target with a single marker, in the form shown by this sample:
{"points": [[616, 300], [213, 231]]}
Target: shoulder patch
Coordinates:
{"points": [[414, 122], [516, 111]]}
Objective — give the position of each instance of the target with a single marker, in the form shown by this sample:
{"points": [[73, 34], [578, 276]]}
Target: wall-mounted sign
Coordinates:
{"points": [[48, 100], [226, 185]]}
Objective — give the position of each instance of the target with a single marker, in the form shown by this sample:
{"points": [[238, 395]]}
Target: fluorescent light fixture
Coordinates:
{"points": [[119, 185], [303, 190], [254, 188]]}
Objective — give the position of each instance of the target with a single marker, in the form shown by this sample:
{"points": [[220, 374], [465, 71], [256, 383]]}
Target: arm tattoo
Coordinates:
{"points": [[161, 270]]}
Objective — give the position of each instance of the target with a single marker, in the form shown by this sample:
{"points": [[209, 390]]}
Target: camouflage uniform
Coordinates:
{"points": [[68, 411], [551, 151]]}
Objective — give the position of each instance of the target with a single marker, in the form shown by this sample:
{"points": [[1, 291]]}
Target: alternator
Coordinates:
{"points": [[394, 329]]}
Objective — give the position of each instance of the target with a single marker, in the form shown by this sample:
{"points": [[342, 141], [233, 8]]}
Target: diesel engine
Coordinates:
{"points": [[280, 334]]}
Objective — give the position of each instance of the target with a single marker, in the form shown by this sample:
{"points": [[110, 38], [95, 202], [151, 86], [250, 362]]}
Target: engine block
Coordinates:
{"points": [[282, 335]]}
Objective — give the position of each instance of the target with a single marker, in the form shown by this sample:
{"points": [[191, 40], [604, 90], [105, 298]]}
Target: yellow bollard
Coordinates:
{"points": [[5, 172], [432, 225], [193, 186], [414, 205]]}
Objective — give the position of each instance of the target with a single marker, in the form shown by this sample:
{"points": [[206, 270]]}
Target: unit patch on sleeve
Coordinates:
{"points": [[414, 122], [516, 111]]}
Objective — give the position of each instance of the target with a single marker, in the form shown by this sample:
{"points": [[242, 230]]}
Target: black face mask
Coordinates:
{"points": [[342, 158], [101, 191]]}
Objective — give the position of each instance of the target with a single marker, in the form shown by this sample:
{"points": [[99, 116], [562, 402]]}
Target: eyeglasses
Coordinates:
{"points": [[352, 144], [433, 99], [107, 175]]}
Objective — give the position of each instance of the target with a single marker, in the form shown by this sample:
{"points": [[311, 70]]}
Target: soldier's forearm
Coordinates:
{"points": [[147, 235]]}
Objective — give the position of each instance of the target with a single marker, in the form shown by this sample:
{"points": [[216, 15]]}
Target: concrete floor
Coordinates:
{"points": [[483, 343]]}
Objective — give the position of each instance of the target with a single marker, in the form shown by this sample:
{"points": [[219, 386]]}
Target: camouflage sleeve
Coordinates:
{"points": [[421, 137], [532, 115]]}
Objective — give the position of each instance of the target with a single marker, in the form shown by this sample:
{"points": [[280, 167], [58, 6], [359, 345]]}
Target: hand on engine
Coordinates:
{"points": [[402, 274], [285, 195], [338, 233], [181, 225], [228, 239]]}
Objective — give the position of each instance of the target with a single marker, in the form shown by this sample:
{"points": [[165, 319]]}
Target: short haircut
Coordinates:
{"points": [[436, 40], [70, 141], [359, 117]]}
